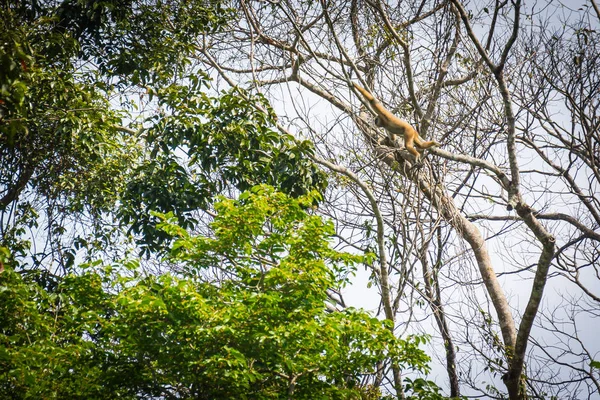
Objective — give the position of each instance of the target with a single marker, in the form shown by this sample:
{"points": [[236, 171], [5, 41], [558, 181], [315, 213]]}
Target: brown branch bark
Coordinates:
{"points": [[15, 190], [516, 352], [432, 290]]}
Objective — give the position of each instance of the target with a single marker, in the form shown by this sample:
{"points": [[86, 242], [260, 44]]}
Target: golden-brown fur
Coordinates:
{"points": [[395, 125]]}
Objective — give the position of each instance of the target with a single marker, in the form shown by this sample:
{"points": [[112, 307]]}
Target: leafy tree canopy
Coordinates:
{"points": [[103, 114], [246, 318]]}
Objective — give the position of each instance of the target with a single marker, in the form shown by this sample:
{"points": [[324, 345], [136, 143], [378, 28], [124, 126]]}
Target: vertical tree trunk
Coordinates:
{"points": [[437, 307]]}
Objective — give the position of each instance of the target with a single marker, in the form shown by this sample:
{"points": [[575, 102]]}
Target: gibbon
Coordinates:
{"points": [[396, 126]]}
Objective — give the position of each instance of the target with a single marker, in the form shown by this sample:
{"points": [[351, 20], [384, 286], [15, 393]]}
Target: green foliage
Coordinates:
{"points": [[59, 141], [140, 41], [61, 137], [201, 146], [56, 129], [135, 41], [422, 389], [261, 331]]}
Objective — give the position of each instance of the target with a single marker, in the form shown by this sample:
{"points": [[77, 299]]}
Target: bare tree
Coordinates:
{"points": [[511, 191]]}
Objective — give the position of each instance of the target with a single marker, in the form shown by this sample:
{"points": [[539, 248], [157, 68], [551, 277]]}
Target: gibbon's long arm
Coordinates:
{"points": [[395, 125]]}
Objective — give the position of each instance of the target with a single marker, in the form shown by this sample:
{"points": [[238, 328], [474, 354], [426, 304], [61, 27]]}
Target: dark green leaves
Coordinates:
{"points": [[201, 147]]}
